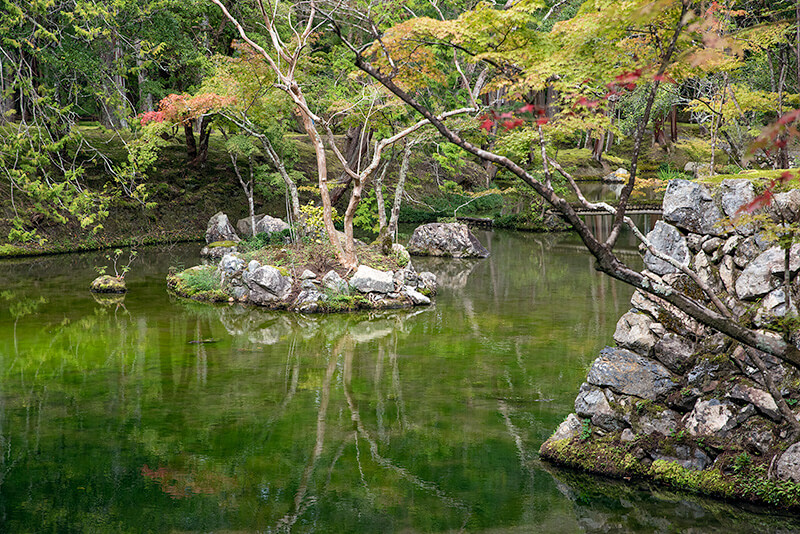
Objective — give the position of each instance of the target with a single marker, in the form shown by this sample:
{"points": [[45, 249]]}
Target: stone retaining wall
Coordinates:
{"points": [[674, 400]]}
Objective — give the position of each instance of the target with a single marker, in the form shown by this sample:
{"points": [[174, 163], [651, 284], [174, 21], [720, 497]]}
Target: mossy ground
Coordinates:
{"points": [[199, 283], [734, 476]]}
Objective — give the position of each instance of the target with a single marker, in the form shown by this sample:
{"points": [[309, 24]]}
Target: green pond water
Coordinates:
{"points": [[156, 414]]}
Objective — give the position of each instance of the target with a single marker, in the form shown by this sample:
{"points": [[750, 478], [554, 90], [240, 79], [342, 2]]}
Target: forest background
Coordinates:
{"points": [[133, 121]]}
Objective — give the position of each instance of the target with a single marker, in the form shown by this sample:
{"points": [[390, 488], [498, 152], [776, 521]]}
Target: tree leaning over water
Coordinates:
{"points": [[670, 28]]}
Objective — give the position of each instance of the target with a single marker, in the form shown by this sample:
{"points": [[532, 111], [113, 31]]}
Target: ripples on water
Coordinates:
{"points": [[154, 414]]}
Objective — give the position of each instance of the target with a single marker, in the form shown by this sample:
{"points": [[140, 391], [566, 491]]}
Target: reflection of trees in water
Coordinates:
{"points": [[616, 507], [387, 463]]}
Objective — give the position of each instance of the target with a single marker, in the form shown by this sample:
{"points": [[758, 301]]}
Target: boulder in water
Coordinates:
{"points": [[446, 239]]}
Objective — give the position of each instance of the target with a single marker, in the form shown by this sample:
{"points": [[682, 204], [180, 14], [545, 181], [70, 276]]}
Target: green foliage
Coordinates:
{"points": [[312, 218], [366, 215], [742, 462], [201, 282], [667, 172], [264, 239], [586, 429], [694, 149]]}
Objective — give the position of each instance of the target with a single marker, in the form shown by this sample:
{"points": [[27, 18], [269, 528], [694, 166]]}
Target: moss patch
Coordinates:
{"points": [[200, 283], [730, 478], [108, 284]]}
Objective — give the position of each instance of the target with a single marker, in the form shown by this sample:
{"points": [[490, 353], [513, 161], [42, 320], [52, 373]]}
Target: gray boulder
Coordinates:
{"points": [[788, 465], [308, 275], [759, 398], [746, 251], [734, 194], [244, 227], [428, 280], [334, 282], [416, 297], [219, 229], [446, 239], [689, 457], [619, 176], [689, 205], [264, 223], [593, 404], [231, 264], [785, 206], [570, 428], [666, 239], [711, 418], [674, 351], [634, 332], [664, 423], [369, 280], [727, 272], [759, 277], [216, 253], [773, 307], [271, 225], [631, 374], [267, 285], [308, 300]]}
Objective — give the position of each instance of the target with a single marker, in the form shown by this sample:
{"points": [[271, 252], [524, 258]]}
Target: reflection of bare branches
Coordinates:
{"points": [[504, 410], [300, 502], [398, 391], [404, 473], [379, 409], [201, 360]]}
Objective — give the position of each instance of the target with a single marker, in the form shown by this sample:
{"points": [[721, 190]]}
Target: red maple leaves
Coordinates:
{"points": [[508, 120]]}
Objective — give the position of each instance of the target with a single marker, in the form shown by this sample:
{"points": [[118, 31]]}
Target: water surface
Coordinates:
{"points": [[157, 414]]}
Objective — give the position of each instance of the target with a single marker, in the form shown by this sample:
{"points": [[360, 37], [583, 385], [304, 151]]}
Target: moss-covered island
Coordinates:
{"points": [[679, 403]]}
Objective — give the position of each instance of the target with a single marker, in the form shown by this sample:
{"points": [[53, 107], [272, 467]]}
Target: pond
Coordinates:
{"points": [[156, 414]]}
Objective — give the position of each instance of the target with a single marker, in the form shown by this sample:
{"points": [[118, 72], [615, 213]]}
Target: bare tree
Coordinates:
{"points": [[283, 60]]}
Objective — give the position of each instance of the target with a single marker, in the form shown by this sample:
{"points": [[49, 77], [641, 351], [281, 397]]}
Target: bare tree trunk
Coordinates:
{"points": [[356, 148], [347, 259], [290, 185], [248, 189], [114, 100], [716, 124], [191, 144], [399, 190], [673, 124]]}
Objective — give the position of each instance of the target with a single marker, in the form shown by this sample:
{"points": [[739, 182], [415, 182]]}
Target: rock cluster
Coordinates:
{"points": [[675, 390], [309, 292], [221, 236]]}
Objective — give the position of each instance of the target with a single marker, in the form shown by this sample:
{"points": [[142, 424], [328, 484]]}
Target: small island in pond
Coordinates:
{"points": [[303, 275]]}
